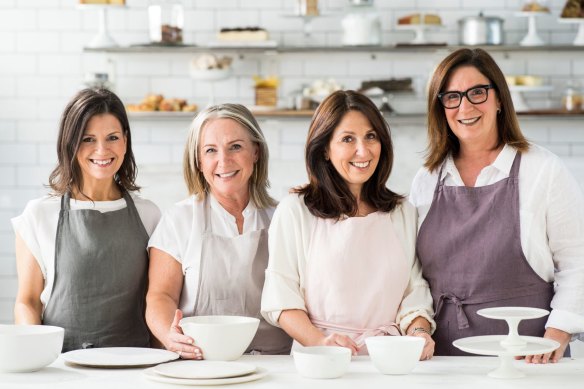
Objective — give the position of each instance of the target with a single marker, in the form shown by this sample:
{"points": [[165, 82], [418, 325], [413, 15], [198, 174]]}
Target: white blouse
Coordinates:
{"points": [[289, 242], [551, 221], [37, 226]]}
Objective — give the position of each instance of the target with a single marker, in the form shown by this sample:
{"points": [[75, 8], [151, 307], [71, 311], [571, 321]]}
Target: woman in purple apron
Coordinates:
{"points": [[81, 253], [501, 219]]}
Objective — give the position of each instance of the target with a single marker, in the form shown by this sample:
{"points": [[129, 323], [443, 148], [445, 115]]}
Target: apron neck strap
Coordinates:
{"points": [[66, 201], [514, 172]]}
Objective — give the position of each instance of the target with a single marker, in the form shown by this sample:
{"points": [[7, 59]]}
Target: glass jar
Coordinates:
{"points": [[166, 21], [307, 7], [572, 98]]}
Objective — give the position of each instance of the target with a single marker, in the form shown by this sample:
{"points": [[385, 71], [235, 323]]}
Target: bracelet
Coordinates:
{"points": [[420, 329]]}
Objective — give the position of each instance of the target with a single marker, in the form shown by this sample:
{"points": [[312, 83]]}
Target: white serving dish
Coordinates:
{"points": [[26, 348], [395, 354], [221, 338], [322, 361], [116, 357]]}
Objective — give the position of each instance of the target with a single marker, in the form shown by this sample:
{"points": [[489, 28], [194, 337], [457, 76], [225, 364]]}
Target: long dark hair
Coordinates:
{"points": [[327, 195], [86, 104]]}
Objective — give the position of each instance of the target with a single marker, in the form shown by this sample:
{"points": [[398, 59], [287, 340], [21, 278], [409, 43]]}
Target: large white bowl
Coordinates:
{"points": [[25, 348], [221, 338], [322, 361], [395, 354]]}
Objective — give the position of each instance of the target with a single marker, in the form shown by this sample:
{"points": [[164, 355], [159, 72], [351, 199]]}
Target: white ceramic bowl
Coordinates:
{"points": [[221, 338], [395, 354], [25, 348], [322, 361]]}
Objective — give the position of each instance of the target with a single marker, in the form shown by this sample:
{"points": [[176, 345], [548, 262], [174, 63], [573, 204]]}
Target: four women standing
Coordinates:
{"points": [[501, 224]]}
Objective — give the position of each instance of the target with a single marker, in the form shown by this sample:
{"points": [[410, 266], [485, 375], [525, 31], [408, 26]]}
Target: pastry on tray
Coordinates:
{"points": [[431, 19], [534, 6]]}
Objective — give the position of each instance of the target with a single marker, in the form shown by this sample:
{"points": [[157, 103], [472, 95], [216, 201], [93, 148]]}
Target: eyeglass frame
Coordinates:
{"points": [[486, 87]]}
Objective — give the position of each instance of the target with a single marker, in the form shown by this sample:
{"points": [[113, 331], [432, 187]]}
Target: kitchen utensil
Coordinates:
{"points": [[322, 361], [221, 338], [108, 357], [481, 30], [26, 348], [204, 369], [395, 354], [508, 346]]}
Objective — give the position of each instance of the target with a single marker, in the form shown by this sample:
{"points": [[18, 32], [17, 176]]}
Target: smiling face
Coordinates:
{"points": [[354, 150], [226, 157], [102, 149], [473, 124]]}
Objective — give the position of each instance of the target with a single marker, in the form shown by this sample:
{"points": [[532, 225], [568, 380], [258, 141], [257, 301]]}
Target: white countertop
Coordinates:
{"points": [[440, 372]]}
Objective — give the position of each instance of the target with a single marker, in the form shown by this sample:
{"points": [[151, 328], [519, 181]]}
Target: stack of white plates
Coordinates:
{"points": [[204, 373]]}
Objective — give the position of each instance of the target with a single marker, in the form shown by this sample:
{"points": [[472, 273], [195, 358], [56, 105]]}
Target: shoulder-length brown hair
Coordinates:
{"points": [[440, 137], [86, 104], [327, 195], [193, 176]]}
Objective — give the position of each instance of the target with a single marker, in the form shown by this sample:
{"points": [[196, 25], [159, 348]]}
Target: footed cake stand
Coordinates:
{"points": [[103, 38], [532, 38], [579, 41], [507, 347], [420, 32]]}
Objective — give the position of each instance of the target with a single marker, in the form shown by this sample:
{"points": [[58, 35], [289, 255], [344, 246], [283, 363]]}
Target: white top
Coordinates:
{"points": [[289, 242], [180, 230], [37, 226], [551, 221]]}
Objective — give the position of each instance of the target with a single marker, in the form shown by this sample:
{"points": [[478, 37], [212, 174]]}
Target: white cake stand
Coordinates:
{"points": [[532, 38], [579, 41], [103, 39], [507, 347]]}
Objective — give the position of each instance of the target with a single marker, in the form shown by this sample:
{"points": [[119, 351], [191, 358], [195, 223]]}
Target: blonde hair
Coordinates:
{"points": [[194, 178]]}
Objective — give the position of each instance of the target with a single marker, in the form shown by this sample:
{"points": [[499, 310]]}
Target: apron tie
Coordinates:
{"points": [[460, 315]]}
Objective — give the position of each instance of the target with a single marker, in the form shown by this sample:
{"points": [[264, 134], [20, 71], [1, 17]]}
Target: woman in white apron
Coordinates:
{"points": [[501, 219], [209, 252], [81, 252], [342, 248]]}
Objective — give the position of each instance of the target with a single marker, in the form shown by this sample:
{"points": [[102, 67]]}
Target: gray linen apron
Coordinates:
{"points": [[469, 246], [231, 279], [101, 267]]}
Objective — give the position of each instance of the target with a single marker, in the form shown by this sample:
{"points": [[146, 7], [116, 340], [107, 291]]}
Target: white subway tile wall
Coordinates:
{"points": [[42, 64]]}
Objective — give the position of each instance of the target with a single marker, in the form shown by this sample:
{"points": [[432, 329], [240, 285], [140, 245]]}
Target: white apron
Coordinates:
{"points": [[356, 276], [231, 278]]}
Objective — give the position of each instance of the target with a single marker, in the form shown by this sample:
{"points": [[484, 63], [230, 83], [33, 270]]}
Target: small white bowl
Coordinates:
{"points": [[322, 361], [26, 348], [221, 338], [395, 354]]}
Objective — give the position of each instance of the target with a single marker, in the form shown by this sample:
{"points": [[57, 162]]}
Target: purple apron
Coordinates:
{"points": [[469, 246]]}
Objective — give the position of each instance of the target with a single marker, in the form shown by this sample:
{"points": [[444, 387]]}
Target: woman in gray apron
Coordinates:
{"points": [[501, 219], [209, 253], [81, 254]]}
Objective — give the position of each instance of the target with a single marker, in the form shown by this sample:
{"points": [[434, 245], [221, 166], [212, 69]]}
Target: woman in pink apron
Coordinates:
{"points": [[501, 220], [209, 253], [342, 248]]}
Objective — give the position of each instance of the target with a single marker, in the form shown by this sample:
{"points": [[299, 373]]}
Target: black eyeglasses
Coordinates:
{"points": [[476, 95]]}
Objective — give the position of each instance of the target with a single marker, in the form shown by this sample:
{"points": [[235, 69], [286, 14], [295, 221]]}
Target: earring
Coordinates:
{"points": [[498, 111]]}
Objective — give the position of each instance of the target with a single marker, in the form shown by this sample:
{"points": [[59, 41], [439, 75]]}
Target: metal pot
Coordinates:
{"points": [[481, 30]]}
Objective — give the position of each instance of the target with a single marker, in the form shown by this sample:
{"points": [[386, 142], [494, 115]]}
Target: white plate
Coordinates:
{"points": [[491, 345], [119, 356], [250, 44], [503, 313], [151, 375], [204, 369]]}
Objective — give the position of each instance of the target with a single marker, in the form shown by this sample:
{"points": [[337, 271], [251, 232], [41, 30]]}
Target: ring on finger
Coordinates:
{"points": [[180, 353]]}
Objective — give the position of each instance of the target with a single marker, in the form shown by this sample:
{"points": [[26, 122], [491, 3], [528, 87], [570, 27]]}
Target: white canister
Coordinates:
{"points": [[361, 29]]}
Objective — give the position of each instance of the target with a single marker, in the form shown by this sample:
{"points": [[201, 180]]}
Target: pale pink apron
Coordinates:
{"points": [[356, 275]]}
